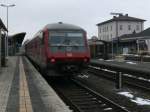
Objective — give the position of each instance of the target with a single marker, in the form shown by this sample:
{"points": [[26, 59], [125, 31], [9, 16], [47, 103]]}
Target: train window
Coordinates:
{"points": [[76, 41], [67, 49], [57, 40], [43, 34], [58, 34], [68, 39], [74, 34], [40, 34], [61, 42]]}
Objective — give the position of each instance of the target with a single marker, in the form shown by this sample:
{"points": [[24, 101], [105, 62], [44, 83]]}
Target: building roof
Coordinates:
{"points": [[145, 32], [122, 18], [18, 37], [62, 26], [134, 36], [2, 26], [96, 42]]}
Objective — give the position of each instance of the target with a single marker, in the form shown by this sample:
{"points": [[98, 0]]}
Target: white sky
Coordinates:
{"points": [[31, 15]]}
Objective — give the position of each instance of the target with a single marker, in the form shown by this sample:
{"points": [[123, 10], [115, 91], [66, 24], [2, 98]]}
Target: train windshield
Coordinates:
{"points": [[67, 41]]}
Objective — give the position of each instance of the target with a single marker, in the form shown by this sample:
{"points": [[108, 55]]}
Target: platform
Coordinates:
{"points": [[23, 89], [126, 64], [129, 67]]}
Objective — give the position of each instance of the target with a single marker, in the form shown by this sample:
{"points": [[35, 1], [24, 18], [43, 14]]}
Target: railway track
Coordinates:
{"points": [[127, 79], [82, 99]]}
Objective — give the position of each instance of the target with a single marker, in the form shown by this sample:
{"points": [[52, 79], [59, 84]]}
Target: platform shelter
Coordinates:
{"points": [[15, 43]]}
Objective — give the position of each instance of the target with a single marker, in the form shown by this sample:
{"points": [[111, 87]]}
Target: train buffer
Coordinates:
{"points": [[23, 89]]}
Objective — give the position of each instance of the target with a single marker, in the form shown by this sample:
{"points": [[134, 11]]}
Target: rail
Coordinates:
{"points": [[126, 78], [82, 99]]}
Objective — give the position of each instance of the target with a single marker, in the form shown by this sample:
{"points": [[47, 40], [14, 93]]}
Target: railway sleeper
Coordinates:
{"points": [[93, 108], [85, 100], [78, 95], [81, 97], [86, 107], [78, 92], [86, 103]]}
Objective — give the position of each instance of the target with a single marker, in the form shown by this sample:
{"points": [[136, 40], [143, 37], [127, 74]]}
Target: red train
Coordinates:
{"points": [[59, 46]]}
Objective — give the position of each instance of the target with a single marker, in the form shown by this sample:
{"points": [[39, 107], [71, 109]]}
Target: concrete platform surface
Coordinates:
{"points": [[139, 67], [23, 89]]}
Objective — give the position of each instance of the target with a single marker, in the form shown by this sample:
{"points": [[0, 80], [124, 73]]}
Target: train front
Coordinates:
{"points": [[68, 50]]}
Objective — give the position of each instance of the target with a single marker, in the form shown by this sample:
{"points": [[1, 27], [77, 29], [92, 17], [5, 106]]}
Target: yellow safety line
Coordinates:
{"points": [[25, 104]]}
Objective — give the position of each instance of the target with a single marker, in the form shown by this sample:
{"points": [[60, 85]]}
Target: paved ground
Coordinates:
{"points": [[9, 83], [22, 89]]}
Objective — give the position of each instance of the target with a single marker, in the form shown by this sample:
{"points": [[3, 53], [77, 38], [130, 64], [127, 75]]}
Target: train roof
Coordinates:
{"points": [[62, 26], [58, 26]]}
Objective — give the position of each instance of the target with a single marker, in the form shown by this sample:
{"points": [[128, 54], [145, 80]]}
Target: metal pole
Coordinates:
{"points": [[7, 34], [112, 47], [138, 47], [6, 41], [3, 61], [119, 80], [0, 47]]}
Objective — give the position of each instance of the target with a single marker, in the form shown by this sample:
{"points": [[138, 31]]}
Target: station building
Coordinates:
{"points": [[120, 35], [114, 37], [119, 25], [135, 43], [99, 48]]}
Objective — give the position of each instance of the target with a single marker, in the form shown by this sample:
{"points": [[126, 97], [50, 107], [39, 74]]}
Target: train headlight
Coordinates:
{"points": [[85, 59], [53, 60]]}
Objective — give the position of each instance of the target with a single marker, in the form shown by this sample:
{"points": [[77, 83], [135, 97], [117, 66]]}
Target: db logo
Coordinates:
{"points": [[69, 54]]}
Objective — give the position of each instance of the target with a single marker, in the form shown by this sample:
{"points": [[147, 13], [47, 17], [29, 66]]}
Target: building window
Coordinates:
{"points": [[121, 27], [100, 37], [129, 27], [111, 28], [99, 30], [107, 37], [103, 29], [137, 27], [107, 28], [111, 35]]}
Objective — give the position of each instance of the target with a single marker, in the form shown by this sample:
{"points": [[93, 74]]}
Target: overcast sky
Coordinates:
{"points": [[31, 15]]}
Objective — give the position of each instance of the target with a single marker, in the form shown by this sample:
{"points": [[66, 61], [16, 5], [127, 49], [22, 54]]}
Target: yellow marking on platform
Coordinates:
{"points": [[25, 104]]}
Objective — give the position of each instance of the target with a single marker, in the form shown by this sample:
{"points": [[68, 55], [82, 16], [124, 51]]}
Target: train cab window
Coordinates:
{"points": [[76, 39], [67, 41], [56, 39]]}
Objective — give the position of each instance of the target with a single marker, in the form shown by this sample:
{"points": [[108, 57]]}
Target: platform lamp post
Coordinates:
{"points": [[6, 41], [112, 48]]}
